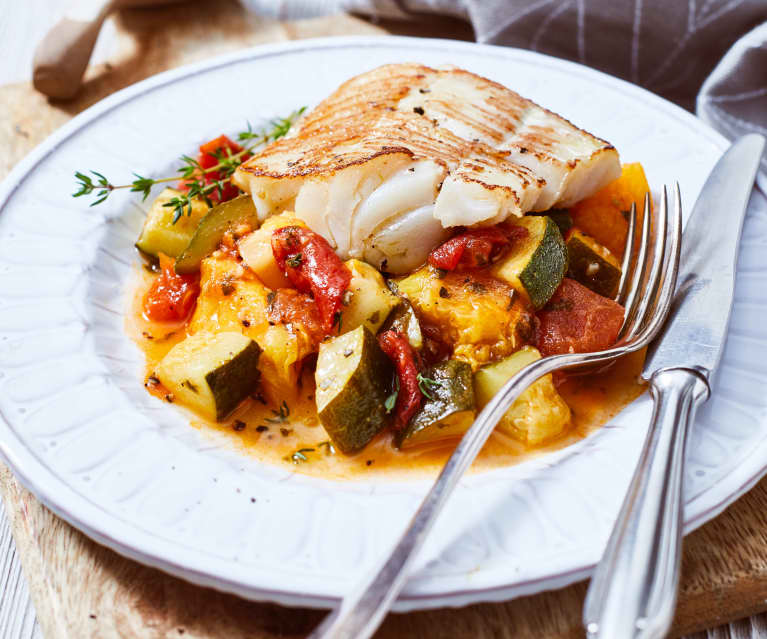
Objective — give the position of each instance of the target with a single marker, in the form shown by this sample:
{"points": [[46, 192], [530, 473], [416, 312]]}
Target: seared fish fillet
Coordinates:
{"points": [[396, 156]]}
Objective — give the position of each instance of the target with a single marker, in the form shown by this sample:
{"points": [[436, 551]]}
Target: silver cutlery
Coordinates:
{"points": [[646, 294], [633, 590]]}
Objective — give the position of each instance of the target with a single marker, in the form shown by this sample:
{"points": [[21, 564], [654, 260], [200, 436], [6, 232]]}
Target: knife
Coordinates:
{"points": [[633, 589]]}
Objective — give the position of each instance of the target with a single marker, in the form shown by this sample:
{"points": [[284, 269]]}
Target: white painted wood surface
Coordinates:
{"points": [[17, 615]]}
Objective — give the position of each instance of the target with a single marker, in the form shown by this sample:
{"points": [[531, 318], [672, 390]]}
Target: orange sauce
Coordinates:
{"points": [[277, 439]]}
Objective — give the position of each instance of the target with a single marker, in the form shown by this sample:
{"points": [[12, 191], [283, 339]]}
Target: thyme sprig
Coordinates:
{"points": [[426, 385], [190, 171]]}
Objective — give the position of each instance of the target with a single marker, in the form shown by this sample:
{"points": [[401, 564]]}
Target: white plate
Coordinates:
{"points": [[84, 436]]}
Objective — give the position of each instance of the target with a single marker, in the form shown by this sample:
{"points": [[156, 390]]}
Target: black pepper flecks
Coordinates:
{"points": [[227, 288]]}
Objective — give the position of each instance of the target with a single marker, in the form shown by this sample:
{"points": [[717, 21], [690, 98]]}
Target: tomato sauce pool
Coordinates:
{"points": [[292, 437]]}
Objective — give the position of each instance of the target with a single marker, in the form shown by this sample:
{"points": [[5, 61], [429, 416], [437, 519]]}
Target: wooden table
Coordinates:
{"points": [[83, 590]]}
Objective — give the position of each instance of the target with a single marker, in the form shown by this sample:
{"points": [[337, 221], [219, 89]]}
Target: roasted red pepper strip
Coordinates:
{"points": [[207, 159], [473, 248], [406, 364], [310, 264], [171, 297]]}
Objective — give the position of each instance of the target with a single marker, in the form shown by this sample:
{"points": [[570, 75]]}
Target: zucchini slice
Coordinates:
{"points": [[592, 264], [211, 229], [211, 372], [353, 379], [539, 414], [160, 234], [448, 412], [370, 301], [404, 320], [536, 264], [562, 219]]}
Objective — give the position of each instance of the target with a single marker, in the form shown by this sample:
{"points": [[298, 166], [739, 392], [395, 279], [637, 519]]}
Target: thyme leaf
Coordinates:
{"points": [[281, 415], [295, 261], [329, 448], [391, 400], [426, 385], [299, 456]]}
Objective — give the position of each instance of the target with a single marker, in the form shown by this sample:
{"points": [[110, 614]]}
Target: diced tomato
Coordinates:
{"points": [[406, 364], [474, 248], [171, 297], [209, 150], [289, 306], [577, 320], [312, 266], [210, 155]]}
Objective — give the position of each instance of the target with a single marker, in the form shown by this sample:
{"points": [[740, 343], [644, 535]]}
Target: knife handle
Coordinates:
{"points": [[633, 589]]}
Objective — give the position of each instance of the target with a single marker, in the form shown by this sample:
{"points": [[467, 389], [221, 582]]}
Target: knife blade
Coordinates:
{"points": [[695, 331], [633, 590]]}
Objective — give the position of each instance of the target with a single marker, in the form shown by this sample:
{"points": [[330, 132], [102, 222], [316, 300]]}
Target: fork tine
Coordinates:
{"points": [[628, 251], [659, 254], [639, 270], [671, 271]]}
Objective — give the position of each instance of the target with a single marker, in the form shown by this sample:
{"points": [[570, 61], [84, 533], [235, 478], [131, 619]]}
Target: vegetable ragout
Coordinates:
{"points": [[260, 324]]}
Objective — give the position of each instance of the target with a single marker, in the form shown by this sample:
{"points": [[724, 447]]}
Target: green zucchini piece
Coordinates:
{"points": [[353, 378], [539, 414], [370, 300], [562, 219], [592, 264], [160, 234], [220, 219], [404, 320], [535, 265], [211, 372], [448, 412]]}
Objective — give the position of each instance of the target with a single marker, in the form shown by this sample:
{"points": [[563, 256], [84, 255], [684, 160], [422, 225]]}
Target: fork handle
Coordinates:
{"points": [[633, 590], [363, 609]]}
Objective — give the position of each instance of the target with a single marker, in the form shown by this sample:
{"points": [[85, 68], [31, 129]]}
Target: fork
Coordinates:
{"points": [[646, 295]]}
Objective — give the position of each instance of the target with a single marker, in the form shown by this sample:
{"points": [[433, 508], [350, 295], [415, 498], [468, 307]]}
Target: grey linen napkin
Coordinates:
{"points": [[708, 56]]}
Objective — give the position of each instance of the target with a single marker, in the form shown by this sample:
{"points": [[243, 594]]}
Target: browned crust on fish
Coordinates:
{"points": [[362, 120]]}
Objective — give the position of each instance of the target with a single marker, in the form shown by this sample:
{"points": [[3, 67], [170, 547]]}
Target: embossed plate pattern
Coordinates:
{"points": [[79, 430]]}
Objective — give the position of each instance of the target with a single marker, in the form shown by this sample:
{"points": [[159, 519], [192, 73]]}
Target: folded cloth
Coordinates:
{"points": [[733, 99], [705, 55]]}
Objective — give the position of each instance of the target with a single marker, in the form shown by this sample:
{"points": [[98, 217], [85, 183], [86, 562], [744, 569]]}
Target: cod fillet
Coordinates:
{"points": [[395, 157]]}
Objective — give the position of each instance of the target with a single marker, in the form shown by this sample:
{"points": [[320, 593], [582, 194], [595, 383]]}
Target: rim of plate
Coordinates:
{"points": [[89, 518]]}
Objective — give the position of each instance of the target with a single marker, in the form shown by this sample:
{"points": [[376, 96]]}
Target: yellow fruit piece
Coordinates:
{"points": [[482, 318], [604, 214], [256, 250], [370, 300], [539, 414]]}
